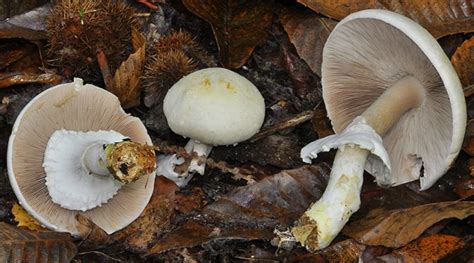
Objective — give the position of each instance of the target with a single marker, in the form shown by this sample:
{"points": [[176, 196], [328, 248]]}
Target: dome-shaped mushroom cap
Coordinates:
{"points": [[75, 107], [214, 106], [368, 52]]}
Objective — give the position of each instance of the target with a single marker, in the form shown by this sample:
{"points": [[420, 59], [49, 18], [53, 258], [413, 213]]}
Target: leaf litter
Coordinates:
{"points": [[219, 216]]}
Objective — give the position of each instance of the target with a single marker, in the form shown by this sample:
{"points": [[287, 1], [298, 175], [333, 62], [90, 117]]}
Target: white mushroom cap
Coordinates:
{"points": [[369, 51], [76, 107], [214, 106]]}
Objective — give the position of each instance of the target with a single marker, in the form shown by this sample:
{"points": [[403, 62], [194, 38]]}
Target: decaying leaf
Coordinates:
{"points": [[426, 249], [19, 245], [463, 62], [441, 18], [155, 219], [18, 78], [308, 33], [277, 150], [238, 26], [127, 77], [468, 143], [250, 212], [29, 25], [321, 122], [397, 228], [24, 219], [278, 199]]}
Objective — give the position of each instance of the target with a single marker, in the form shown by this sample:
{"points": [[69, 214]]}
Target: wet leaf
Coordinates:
{"points": [[250, 212], [127, 77], [468, 144], [24, 219], [463, 62], [321, 122], [278, 199], [19, 245], [426, 249], [17, 78], [308, 33], [397, 228], [277, 150], [441, 18], [238, 26], [155, 219], [29, 25]]}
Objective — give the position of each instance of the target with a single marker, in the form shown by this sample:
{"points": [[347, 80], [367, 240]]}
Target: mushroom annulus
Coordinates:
{"points": [[213, 106], [73, 150], [397, 108]]}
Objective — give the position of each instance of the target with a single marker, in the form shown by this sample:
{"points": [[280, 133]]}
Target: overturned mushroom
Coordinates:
{"points": [[397, 105], [83, 139], [213, 106]]}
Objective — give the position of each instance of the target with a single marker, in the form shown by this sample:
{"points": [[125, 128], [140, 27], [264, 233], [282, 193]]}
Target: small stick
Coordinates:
{"points": [[104, 68], [223, 166], [148, 4], [291, 122]]}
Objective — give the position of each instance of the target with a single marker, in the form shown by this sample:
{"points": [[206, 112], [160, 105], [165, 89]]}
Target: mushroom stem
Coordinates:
{"points": [[202, 150], [125, 161], [405, 94], [169, 165], [321, 223], [94, 159]]}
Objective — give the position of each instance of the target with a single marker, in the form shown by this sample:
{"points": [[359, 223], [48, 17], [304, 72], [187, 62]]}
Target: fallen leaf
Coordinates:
{"points": [[468, 143], [155, 219], [127, 77], [29, 25], [238, 26], [277, 150], [277, 199], [192, 234], [20, 245], [17, 78], [397, 228], [92, 236], [441, 18], [321, 122], [426, 249], [308, 33], [463, 61], [24, 219], [250, 212]]}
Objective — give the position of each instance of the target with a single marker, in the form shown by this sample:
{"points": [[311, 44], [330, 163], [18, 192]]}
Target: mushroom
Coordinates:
{"points": [[396, 105], [212, 106], [71, 152]]}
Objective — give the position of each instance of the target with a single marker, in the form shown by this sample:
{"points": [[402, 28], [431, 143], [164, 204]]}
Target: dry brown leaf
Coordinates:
{"points": [[238, 26], [127, 77], [250, 212], [397, 228], [17, 78], [29, 25], [468, 144], [308, 33], [20, 245], [24, 219], [463, 62], [440, 17], [426, 249], [155, 219]]}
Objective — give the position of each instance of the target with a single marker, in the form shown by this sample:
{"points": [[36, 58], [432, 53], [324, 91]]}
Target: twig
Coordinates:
{"points": [[292, 122], [238, 173], [149, 5], [104, 68]]}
